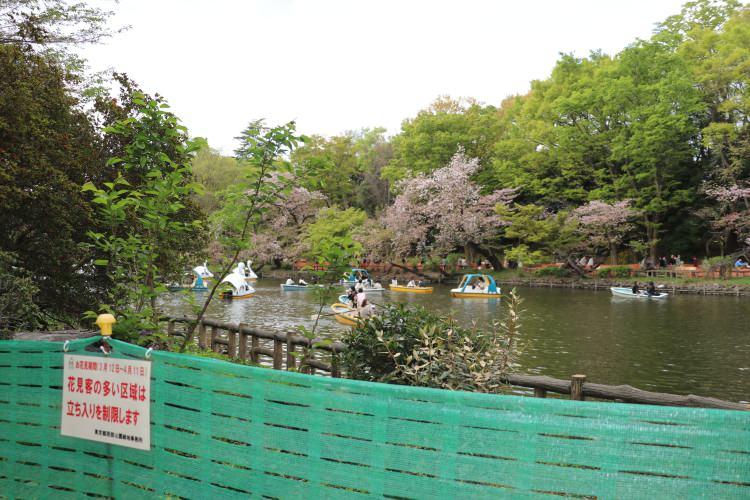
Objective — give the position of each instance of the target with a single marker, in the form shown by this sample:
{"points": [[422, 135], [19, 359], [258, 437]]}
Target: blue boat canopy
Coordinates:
{"points": [[355, 274], [474, 279]]}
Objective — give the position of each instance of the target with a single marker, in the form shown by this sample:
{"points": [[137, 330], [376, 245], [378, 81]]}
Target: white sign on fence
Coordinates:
{"points": [[108, 400]]}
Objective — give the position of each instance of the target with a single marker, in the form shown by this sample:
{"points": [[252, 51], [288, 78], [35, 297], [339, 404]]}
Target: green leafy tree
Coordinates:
{"points": [[333, 231], [429, 140], [142, 223], [216, 173], [18, 310], [346, 169], [46, 22], [264, 153], [49, 147]]}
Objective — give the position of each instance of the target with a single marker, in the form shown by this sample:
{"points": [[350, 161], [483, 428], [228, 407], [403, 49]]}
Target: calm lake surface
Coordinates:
{"points": [[684, 344]]}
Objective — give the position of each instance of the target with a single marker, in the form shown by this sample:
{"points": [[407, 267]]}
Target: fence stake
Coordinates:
{"points": [[291, 362], [576, 387], [278, 347], [214, 333], [232, 347], [254, 345], [335, 370], [243, 342], [202, 341], [539, 392]]}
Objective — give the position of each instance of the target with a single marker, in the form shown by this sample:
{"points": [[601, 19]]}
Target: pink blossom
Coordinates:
{"points": [[444, 209], [604, 224]]}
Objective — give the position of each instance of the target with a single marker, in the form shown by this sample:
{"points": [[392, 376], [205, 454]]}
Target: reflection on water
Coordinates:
{"points": [[684, 344]]}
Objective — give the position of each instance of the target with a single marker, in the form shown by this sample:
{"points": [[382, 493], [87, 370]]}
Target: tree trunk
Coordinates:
{"points": [[487, 254], [613, 253]]}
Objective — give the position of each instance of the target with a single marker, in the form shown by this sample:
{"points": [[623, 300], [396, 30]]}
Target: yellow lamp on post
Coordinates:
{"points": [[105, 322]]}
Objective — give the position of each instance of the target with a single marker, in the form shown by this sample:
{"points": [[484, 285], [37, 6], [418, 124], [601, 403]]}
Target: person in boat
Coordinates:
{"points": [[480, 284], [364, 308], [351, 295], [651, 289], [411, 284], [394, 282], [289, 281], [420, 283], [302, 282], [636, 289]]}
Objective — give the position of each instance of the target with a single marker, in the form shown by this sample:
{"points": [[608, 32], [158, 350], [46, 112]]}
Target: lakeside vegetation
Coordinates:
{"points": [[106, 198]]}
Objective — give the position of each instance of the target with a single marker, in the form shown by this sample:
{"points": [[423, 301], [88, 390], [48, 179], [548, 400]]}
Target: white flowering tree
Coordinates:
{"points": [[604, 225], [730, 216], [443, 211]]}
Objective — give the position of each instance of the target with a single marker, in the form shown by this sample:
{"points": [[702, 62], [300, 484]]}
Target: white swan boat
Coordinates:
{"points": [[235, 287]]}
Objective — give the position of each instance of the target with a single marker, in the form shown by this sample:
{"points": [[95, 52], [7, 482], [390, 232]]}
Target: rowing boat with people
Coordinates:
{"points": [[642, 294]]}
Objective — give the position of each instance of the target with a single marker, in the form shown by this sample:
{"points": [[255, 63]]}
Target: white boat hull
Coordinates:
{"points": [[628, 293], [298, 288], [375, 289]]}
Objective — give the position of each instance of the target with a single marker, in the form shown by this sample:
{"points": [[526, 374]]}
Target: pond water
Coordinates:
{"points": [[684, 344]]}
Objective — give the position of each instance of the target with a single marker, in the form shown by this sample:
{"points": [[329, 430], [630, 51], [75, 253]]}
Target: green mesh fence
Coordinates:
{"points": [[226, 430]]}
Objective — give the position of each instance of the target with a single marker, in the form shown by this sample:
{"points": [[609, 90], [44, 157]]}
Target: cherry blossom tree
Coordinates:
{"points": [[283, 224], [443, 211], [284, 214], [604, 225], [730, 216]]}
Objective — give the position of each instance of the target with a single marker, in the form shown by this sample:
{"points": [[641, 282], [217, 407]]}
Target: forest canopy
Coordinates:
{"points": [[624, 157]]}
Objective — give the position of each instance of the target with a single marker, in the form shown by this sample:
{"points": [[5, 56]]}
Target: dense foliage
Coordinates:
{"points": [[412, 346], [637, 154]]}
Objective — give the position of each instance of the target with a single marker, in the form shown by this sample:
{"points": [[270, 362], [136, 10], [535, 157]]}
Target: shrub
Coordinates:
{"points": [[553, 272], [17, 291], [411, 346], [614, 272]]}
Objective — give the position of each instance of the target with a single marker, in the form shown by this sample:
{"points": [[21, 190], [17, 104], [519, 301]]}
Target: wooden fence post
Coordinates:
{"points": [[254, 345], [291, 361], [335, 369], [232, 343], [539, 392], [170, 328], [243, 343], [202, 341], [278, 352], [214, 333], [576, 387]]}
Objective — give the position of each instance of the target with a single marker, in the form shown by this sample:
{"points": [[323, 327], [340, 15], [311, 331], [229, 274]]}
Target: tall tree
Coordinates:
{"points": [[49, 147], [428, 141], [43, 23]]}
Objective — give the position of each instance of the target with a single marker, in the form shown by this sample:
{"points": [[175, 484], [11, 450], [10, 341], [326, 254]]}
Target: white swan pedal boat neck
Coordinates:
{"points": [[619, 291]]}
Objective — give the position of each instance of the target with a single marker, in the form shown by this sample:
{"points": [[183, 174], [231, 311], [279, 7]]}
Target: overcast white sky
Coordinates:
{"points": [[341, 65]]}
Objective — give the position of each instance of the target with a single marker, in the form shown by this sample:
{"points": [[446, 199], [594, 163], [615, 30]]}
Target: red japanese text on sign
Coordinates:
{"points": [[107, 399]]}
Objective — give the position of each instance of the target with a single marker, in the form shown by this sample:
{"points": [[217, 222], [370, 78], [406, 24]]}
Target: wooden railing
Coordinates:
{"points": [[242, 342]]}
